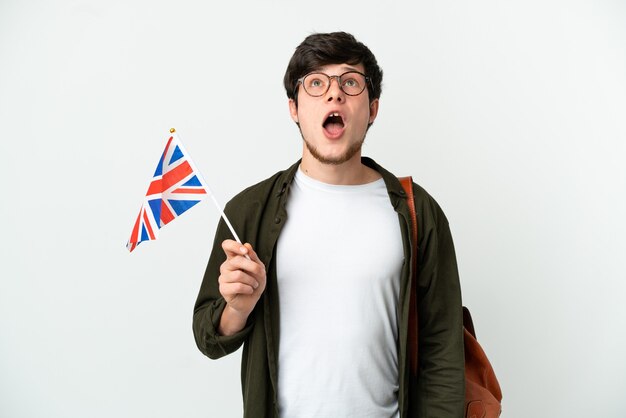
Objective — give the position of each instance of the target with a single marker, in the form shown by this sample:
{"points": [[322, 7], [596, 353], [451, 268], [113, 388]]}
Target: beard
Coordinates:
{"points": [[340, 159]]}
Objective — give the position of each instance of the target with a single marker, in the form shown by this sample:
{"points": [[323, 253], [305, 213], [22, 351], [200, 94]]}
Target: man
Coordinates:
{"points": [[319, 294]]}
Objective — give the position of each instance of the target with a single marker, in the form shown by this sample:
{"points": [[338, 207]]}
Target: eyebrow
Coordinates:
{"points": [[345, 69]]}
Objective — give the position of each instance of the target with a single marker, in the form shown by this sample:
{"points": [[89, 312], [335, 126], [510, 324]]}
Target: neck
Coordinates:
{"points": [[350, 172]]}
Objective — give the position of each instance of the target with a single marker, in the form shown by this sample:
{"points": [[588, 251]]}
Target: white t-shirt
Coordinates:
{"points": [[339, 258]]}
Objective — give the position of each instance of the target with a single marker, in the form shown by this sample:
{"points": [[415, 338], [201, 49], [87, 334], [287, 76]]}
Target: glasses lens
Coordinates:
{"points": [[352, 83], [316, 84]]}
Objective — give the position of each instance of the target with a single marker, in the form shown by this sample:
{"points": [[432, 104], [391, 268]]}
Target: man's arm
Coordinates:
{"points": [[231, 287], [441, 376]]}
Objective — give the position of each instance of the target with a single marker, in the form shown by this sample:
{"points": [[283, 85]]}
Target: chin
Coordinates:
{"points": [[334, 159]]}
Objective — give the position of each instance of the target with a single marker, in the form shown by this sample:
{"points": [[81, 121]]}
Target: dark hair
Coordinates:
{"points": [[320, 49]]}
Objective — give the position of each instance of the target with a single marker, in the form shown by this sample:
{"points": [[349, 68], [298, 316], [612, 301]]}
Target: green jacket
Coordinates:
{"points": [[258, 215]]}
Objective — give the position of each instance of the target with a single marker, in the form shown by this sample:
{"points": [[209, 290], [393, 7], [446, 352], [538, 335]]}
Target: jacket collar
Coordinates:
{"points": [[392, 183]]}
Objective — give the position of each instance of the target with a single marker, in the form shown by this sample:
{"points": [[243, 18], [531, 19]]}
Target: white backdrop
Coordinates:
{"points": [[511, 113]]}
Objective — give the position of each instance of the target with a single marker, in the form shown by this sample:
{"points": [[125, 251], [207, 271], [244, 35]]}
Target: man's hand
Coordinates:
{"points": [[242, 282]]}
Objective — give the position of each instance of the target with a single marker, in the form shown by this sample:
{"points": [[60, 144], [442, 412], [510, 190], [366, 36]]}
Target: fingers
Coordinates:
{"points": [[242, 272], [242, 257], [228, 276], [233, 248], [254, 268], [251, 253], [231, 289]]}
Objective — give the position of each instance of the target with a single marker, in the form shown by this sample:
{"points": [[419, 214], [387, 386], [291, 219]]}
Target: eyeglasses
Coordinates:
{"points": [[317, 84]]}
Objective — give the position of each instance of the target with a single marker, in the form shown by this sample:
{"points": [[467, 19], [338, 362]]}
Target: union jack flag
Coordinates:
{"points": [[176, 187]]}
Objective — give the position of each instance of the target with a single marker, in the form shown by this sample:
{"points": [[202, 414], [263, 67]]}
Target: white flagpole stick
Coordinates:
{"points": [[219, 208], [208, 189]]}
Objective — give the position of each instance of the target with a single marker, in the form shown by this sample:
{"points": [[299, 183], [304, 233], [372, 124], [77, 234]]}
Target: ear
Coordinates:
{"points": [[373, 110], [293, 110]]}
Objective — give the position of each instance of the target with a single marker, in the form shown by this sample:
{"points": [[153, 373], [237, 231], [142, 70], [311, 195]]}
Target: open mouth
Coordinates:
{"points": [[334, 124]]}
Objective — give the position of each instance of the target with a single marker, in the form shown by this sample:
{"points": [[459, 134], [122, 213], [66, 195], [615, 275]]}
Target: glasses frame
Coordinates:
{"points": [[330, 80]]}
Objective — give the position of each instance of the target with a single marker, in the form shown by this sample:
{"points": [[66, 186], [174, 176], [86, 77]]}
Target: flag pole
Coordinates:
{"points": [[208, 189]]}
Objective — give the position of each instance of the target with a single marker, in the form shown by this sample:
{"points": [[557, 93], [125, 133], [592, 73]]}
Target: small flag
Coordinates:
{"points": [[176, 187]]}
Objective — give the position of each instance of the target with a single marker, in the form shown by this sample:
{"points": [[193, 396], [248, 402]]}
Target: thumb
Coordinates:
{"points": [[253, 255]]}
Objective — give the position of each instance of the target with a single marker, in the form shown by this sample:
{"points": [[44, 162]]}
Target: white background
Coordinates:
{"points": [[510, 113]]}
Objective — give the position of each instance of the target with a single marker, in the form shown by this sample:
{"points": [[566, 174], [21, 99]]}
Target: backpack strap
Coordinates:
{"points": [[407, 185]]}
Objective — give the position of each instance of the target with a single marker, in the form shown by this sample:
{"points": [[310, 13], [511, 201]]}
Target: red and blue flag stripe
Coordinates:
{"points": [[175, 188]]}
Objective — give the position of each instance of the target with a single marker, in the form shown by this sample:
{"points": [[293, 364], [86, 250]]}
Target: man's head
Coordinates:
{"points": [[321, 49], [333, 84]]}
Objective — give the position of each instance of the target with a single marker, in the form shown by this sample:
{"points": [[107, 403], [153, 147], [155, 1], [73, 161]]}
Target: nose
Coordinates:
{"points": [[334, 91]]}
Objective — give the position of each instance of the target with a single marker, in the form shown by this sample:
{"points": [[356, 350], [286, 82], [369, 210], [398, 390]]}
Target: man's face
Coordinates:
{"points": [[333, 125]]}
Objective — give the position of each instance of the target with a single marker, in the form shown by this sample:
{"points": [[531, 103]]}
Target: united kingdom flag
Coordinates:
{"points": [[176, 187]]}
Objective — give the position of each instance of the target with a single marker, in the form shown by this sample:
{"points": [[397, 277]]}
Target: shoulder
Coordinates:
{"points": [[424, 199], [425, 204], [433, 226]]}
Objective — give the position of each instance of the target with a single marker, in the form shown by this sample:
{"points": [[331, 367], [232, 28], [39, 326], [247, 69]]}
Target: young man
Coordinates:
{"points": [[319, 295]]}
